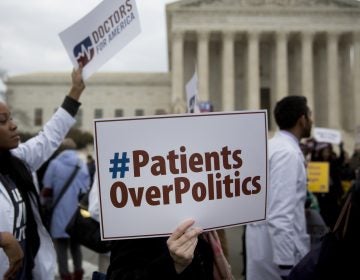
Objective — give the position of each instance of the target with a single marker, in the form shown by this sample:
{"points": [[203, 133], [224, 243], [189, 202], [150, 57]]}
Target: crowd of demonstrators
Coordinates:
{"points": [[355, 158], [274, 246], [341, 177], [315, 224], [329, 202], [331, 259], [65, 180], [19, 211]]}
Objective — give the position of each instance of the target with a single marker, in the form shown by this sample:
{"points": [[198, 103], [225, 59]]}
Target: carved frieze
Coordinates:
{"points": [[274, 3]]}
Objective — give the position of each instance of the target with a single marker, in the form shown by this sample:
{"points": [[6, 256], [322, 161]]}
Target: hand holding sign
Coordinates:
{"points": [[182, 244], [78, 84]]}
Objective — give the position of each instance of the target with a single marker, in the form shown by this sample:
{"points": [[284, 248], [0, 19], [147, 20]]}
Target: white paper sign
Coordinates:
{"points": [[327, 135], [192, 95], [98, 36], [156, 172]]}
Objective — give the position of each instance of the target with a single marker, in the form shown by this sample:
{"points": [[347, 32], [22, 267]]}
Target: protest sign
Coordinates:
{"points": [[318, 177], [98, 36], [327, 135], [192, 98], [155, 172]]}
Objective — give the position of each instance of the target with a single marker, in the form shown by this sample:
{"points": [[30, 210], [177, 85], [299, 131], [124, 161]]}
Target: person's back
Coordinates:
{"points": [[56, 177], [283, 148], [57, 173], [274, 246]]}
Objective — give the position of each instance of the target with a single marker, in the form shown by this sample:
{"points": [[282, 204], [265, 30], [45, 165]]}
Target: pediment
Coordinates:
{"points": [[268, 3]]}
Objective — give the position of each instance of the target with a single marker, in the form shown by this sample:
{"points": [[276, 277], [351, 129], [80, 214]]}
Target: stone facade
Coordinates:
{"points": [[248, 54], [107, 95]]}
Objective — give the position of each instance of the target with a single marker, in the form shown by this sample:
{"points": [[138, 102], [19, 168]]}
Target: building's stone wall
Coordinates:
{"points": [[146, 92]]}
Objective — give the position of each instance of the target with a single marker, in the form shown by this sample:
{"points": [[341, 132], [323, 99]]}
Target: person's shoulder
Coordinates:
{"points": [[280, 143], [282, 148]]}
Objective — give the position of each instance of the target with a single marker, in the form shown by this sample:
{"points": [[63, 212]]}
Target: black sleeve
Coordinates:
{"points": [[149, 259], [71, 105], [140, 259]]}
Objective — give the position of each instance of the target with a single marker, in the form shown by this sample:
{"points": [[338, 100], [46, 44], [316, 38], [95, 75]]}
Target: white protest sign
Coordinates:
{"points": [[327, 135], [155, 172], [192, 95], [98, 36]]}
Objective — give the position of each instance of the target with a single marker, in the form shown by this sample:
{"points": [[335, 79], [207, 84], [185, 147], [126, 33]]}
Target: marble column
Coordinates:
{"points": [[228, 80], [281, 65], [253, 71], [177, 68], [345, 83], [307, 70], [333, 105], [356, 77], [203, 65]]}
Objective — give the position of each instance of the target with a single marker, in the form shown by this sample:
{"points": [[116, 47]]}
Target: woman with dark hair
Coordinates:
{"points": [[19, 199]]}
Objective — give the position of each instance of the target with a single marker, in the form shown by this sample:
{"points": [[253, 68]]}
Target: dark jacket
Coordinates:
{"points": [[149, 258]]}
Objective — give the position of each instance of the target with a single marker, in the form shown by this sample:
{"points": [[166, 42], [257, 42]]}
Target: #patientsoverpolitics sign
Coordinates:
{"points": [[155, 172], [99, 35]]}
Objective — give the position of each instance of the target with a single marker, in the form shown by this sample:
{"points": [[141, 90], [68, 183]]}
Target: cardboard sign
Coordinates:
{"points": [[155, 172], [98, 36], [318, 177], [327, 135]]}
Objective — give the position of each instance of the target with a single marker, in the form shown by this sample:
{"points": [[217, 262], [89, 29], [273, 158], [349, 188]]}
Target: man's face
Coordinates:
{"points": [[9, 137], [307, 125]]}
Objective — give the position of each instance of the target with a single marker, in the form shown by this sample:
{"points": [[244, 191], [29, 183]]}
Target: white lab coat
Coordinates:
{"points": [[281, 239], [94, 200], [34, 153]]}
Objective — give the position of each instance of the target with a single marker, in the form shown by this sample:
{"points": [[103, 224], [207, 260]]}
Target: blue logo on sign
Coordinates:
{"points": [[84, 51]]}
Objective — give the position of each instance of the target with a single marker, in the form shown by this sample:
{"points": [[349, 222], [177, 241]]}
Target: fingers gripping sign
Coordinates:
{"points": [[182, 244]]}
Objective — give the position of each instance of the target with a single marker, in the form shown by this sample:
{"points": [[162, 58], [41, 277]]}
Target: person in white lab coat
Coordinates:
{"points": [[19, 200], [274, 246]]}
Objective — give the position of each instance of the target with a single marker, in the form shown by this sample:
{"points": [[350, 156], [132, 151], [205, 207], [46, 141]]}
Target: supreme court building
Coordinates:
{"points": [[250, 53], [247, 54]]}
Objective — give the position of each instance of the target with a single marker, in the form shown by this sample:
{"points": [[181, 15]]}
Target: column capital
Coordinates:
{"points": [[203, 35], [228, 35], [253, 34], [281, 35], [178, 34], [334, 35], [307, 35]]}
